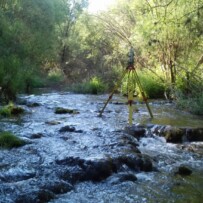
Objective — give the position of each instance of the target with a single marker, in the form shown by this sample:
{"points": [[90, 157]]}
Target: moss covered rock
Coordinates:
{"points": [[8, 140], [173, 134], [60, 110], [11, 110]]}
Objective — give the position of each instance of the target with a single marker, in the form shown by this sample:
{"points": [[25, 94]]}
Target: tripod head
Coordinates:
{"points": [[131, 55]]}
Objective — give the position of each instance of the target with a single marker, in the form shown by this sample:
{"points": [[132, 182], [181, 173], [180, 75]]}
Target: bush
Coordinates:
{"points": [[10, 110], [191, 104], [94, 86], [8, 140], [152, 87], [36, 81], [55, 76]]}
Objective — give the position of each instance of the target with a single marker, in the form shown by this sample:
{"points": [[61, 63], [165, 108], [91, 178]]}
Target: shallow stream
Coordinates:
{"points": [[97, 138]]}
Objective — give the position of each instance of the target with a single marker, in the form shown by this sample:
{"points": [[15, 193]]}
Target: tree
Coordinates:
{"points": [[27, 31]]}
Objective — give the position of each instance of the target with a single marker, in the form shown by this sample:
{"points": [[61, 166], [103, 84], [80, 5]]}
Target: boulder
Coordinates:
{"points": [[16, 110], [36, 136], [136, 162], [52, 122], [194, 134], [38, 196], [60, 110], [35, 104], [88, 170], [98, 170], [122, 177], [67, 129], [57, 187], [173, 134], [184, 171], [176, 134], [135, 131]]}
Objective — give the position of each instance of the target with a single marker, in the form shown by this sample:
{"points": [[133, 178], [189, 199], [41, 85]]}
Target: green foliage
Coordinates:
{"points": [[152, 87], [166, 36], [192, 104], [8, 140], [10, 110], [27, 40], [94, 86], [55, 76]]}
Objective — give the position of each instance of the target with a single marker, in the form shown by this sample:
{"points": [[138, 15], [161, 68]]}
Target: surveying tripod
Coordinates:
{"points": [[132, 80]]}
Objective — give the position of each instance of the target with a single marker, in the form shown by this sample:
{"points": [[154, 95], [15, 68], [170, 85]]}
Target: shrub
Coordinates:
{"points": [[55, 76], [152, 87], [191, 104], [10, 110], [8, 140], [94, 86]]}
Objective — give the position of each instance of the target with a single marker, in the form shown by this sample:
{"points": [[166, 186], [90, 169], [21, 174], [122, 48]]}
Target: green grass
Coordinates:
{"points": [[8, 140], [192, 104], [152, 87], [93, 86]]}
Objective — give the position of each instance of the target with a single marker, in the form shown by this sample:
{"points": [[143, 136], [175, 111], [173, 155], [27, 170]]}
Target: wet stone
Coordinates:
{"points": [[94, 170], [184, 171], [60, 110], [122, 177], [40, 196], [57, 187], [98, 170], [67, 129], [36, 136], [72, 174], [16, 110], [16, 175], [35, 104], [135, 131], [52, 122], [173, 134], [135, 162], [194, 134]]}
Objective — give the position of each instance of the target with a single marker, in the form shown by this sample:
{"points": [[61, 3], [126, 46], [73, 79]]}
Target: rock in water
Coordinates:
{"points": [[135, 131], [67, 129], [173, 134], [184, 171], [60, 110]]}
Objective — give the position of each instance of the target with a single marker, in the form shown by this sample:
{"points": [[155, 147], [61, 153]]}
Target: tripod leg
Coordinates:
{"points": [[143, 94], [112, 92], [130, 96]]}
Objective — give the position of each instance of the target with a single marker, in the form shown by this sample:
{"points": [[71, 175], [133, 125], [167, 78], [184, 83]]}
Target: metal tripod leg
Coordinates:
{"points": [[143, 94], [113, 91], [130, 91]]}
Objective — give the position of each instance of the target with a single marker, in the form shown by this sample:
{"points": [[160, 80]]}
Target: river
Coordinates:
{"points": [[27, 173]]}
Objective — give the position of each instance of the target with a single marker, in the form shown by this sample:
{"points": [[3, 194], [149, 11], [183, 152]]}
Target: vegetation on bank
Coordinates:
{"points": [[49, 42], [10, 110], [8, 140], [191, 104], [93, 86]]}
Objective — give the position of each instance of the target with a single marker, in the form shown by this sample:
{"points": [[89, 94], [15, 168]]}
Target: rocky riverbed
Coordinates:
{"points": [[72, 155]]}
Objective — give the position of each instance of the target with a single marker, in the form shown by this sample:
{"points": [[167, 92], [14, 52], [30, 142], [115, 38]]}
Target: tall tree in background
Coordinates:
{"points": [[166, 35], [32, 35], [70, 12], [26, 38]]}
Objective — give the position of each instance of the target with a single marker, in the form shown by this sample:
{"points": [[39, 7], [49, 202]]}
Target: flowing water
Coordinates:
{"points": [[98, 137]]}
